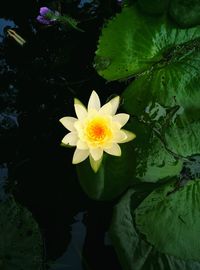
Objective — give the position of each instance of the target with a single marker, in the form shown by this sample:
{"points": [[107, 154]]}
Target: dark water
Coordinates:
{"points": [[39, 81]]}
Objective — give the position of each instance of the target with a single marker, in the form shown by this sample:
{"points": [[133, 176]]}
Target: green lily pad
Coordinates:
{"points": [[170, 220], [151, 158], [184, 141], [20, 238], [113, 177], [155, 163], [133, 251], [176, 84], [185, 12], [131, 43], [159, 152]]}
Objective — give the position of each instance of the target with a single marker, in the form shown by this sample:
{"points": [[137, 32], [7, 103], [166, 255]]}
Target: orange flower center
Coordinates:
{"points": [[97, 130]]}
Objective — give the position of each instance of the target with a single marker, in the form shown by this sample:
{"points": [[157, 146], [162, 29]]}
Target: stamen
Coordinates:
{"points": [[97, 131]]}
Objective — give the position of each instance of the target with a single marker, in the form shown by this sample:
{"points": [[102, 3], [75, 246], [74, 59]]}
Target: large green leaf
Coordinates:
{"points": [[133, 251], [132, 43], [185, 12], [153, 162], [184, 141], [176, 83], [113, 177], [170, 220], [20, 239], [160, 151]]}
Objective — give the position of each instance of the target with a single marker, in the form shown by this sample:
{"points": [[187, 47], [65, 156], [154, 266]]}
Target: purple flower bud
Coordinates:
{"points": [[44, 19], [44, 11]]}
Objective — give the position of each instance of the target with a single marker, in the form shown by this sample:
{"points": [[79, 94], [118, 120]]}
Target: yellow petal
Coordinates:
{"points": [[119, 136], [115, 104], [129, 136], [121, 118], [79, 156], [77, 101], [71, 139], [81, 111], [94, 102], [95, 164], [115, 150], [106, 109], [68, 122], [96, 153]]}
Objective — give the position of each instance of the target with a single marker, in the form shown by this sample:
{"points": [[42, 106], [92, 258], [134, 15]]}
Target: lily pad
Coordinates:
{"points": [[170, 220], [159, 152], [184, 141], [185, 12], [20, 238], [131, 43], [133, 251], [156, 163], [175, 84], [151, 157], [113, 177]]}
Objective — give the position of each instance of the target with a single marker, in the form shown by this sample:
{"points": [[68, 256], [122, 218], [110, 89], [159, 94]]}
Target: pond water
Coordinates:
{"points": [[39, 81]]}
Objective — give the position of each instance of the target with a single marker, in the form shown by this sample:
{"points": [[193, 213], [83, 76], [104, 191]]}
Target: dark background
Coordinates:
{"points": [[38, 84]]}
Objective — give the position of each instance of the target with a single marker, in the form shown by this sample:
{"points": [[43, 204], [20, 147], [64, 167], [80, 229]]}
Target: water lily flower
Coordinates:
{"points": [[96, 130], [47, 16]]}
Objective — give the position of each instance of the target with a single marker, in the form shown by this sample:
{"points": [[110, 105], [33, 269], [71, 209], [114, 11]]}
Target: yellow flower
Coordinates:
{"points": [[96, 129]]}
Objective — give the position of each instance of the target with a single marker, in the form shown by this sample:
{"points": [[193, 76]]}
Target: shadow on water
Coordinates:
{"points": [[39, 81], [3, 181]]}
